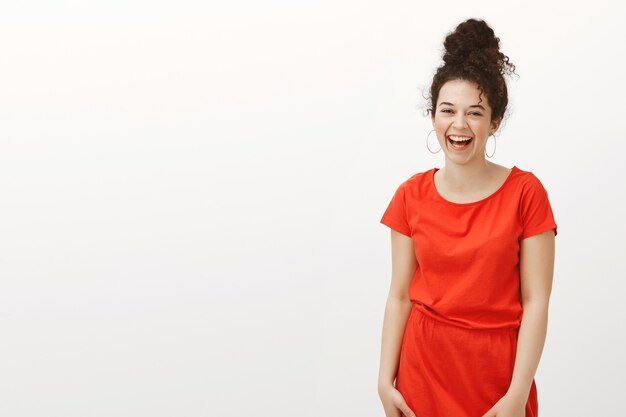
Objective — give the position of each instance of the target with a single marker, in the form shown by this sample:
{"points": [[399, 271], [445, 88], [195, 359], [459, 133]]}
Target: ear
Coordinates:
{"points": [[495, 125]]}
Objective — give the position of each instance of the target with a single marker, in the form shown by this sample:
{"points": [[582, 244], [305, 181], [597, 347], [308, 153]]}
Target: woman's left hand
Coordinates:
{"points": [[508, 406]]}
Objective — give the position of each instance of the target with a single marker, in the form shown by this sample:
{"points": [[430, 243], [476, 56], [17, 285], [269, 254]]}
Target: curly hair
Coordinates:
{"points": [[472, 53]]}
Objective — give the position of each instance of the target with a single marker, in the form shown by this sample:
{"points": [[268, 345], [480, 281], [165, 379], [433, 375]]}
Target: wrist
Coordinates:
{"points": [[385, 384], [518, 394]]}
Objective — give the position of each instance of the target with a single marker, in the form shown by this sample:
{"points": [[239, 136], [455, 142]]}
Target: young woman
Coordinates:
{"points": [[472, 257]]}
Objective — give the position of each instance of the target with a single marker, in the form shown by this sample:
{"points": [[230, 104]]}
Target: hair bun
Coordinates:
{"points": [[467, 38]]}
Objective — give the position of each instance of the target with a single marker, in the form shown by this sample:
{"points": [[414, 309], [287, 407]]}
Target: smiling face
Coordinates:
{"points": [[459, 112]]}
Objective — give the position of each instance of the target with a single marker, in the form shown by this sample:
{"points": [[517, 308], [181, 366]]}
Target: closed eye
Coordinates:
{"points": [[450, 111]]}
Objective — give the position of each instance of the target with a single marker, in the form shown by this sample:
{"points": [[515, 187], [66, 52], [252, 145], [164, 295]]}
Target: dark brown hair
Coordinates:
{"points": [[472, 53]]}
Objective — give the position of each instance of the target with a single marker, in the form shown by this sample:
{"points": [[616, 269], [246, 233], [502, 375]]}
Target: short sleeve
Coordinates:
{"points": [[535, 210], [395, 215]]}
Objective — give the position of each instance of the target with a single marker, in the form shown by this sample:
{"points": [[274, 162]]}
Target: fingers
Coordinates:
{"points": [[406, 411]]}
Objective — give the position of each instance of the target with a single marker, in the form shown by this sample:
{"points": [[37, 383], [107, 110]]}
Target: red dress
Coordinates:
{"points": [[459, 343]]}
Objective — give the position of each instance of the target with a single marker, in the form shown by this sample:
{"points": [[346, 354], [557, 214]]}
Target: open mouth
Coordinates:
{"points": [[459, 142]]}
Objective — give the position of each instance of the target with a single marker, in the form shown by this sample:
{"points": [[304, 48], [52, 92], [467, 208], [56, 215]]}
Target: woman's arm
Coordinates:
{"points": [[536, 274], [398, 307]]}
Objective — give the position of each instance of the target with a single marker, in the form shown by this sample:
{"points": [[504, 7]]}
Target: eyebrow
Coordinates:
{"points": [[450, 104]]}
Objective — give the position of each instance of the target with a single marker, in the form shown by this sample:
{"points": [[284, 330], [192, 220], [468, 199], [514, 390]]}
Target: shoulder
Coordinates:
{"points": [[416, 186], [530, 188], [527, 179], [415, 180], [418, 178]]}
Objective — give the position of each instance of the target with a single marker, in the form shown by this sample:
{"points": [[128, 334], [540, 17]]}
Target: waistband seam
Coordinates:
{"points": [[446, 323]]}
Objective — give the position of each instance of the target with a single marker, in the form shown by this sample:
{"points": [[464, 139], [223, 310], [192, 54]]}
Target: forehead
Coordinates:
{"points": [[462, 93]]}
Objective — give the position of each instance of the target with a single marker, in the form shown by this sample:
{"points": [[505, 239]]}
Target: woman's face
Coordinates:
{"points": [[459, 113]]}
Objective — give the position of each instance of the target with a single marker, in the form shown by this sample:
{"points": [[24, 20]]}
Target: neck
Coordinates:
{"points": [[467, 177]]}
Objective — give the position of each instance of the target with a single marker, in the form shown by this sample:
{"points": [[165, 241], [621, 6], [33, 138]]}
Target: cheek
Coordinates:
{"points": [[441, 126]]}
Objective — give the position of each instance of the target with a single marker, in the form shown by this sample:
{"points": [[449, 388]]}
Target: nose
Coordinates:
{"points": [[458, 123]]}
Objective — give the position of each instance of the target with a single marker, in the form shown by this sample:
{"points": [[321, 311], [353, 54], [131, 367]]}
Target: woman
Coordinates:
{"points": [[472, 257]]}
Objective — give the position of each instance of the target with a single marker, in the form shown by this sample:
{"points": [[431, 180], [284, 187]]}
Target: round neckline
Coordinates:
{"points": [[434, 187]]}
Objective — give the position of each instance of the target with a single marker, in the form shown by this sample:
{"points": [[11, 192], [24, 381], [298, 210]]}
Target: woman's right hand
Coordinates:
{"points": [[393, 402]]}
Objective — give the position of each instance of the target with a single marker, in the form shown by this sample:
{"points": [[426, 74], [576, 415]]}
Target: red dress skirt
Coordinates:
{"points": [[451, 371]]}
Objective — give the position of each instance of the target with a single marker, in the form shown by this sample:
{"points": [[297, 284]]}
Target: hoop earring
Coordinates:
{"points": [[494, 146], [427, 143]]}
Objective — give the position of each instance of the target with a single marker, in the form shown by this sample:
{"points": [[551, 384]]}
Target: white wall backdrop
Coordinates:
{"points": [[191, 195]]}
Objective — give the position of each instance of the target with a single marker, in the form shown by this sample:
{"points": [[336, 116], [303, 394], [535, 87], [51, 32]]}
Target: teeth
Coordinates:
{"points": [[460, 138]]}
